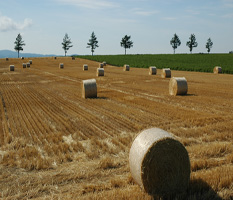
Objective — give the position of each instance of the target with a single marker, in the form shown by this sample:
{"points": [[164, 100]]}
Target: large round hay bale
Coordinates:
{"points": [[101, 65], [22, 58], [85, 67], [159, 163], [217, 70], [24, 65], [12, 68], [166, 73], [7, 59], [89, 89], [28, 65], [178, 86], [100, 72], [104, 63], [126, 67], [55, 57], [61, 65], [152, 70], [30, 61], [73, 58]]}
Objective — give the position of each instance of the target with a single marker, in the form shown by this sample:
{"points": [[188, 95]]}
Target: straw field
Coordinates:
{"points": [[54, 144]]}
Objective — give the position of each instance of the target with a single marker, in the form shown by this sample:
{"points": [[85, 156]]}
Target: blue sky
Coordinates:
{"points": [[151, 24]]}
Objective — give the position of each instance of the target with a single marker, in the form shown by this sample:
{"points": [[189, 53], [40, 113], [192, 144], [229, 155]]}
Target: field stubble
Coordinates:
{"points": [[55, 144]]}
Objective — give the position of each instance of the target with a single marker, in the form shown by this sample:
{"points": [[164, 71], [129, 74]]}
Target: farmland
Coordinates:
{"points": [[184, 62], [56, 145]]}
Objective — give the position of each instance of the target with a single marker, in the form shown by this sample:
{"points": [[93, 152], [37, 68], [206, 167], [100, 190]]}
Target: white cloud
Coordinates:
{"points": [[92, 4], [7, 24], [228, 3], [139, 11]]}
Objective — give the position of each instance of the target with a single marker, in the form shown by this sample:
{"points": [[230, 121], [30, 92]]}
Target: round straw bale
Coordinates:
{"points": [[101, 65], [24, 65], [217, 70], [12, 68], [100, 72], [73, 58], [166, 73], [89, 89], [126, 67], [30, 61], [178, 86], [85, 67], [104, 63], [159, 163], [55, 57], [7, 59], [61, 65], [152, 70], [28, 65], [22, 58]]}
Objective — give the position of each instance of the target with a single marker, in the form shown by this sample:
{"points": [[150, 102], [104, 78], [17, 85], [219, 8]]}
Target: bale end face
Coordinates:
{"points": [[22, 58], [85, 67], [28, 65], [12, 68], [73, 58], [166, 73], [178, 86], [24, 65], [100, 72], [101, 65], [89, 89], [55, 58], [152, 70], [30, 61], [61, 65], [217, 70], [7, 59], [104, 63], [159, 163], [126, 68]]}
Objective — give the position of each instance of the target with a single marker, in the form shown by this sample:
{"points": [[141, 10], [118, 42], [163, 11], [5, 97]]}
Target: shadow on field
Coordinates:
{"points": [[198, 190], [190, 95]]}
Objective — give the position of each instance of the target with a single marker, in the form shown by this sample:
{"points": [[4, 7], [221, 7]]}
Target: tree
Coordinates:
{"points": [[209, 45], [19, 43], [93, 43], [175, 42], [192, 43], [66, 44], [126, 42]]}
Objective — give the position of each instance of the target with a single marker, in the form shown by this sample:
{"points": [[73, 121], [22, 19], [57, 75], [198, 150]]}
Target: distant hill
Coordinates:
{"points": [[14, 54]]}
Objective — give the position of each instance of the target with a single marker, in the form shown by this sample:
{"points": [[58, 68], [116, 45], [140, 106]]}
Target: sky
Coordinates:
{"points": [[150, 23]]}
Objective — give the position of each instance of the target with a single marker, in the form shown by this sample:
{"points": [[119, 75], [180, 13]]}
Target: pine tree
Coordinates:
{"points": [[66, 44], [175, 42], [19, 43], [192, 43], [209, 45], [93, 43]]}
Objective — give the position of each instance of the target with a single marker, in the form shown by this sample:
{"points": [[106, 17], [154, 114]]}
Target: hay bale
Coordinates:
{"points": [[28, 65], [12, 68], [152, 70], [22, 58], [217, 70], [89, 88], [61, 65], [159, 163], [126, 68], [7, 59], [178, 86], [101, 65], [73, 58], [100, 72], [85, 67], [104, 63], [30, 61], [55, 58], [24, 65], [166, 73]]}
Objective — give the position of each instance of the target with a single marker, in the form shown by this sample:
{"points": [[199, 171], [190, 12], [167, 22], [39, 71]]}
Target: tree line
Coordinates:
{"points": [[126, 43]]}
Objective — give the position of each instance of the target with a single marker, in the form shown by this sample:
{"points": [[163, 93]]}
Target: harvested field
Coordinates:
{"points": [[54, 144]]}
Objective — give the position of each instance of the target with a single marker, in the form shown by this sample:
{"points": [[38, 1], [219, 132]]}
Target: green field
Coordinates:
{"points": [[185, 62]]}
